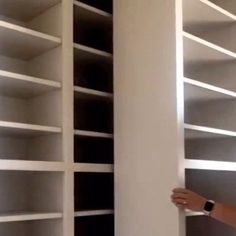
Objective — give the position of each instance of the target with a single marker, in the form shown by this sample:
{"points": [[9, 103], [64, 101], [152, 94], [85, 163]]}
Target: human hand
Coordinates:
{"points": [[186, 199]]}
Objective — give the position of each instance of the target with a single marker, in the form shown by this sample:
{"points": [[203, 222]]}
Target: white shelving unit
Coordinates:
{"points": [[175, 111], [56, 117], [204, 22]]}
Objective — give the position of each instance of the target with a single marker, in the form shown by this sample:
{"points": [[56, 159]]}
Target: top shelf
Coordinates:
{"points": [[199, 13], [104, 5], [17, 9]]}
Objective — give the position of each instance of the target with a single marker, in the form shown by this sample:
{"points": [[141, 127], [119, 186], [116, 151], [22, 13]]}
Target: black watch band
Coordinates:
{"points": [[208, 207]]}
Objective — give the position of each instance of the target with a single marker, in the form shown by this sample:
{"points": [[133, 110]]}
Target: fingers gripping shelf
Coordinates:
{"points": [[210, 106]]}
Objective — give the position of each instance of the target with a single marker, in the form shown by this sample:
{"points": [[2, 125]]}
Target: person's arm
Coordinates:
{"points": [[186, 199]]}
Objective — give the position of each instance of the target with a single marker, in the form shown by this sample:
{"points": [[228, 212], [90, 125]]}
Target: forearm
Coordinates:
{"points": [[225, 214]]}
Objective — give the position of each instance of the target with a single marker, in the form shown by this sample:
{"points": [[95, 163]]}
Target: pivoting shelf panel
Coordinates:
{"points": [[196, 91], [92, 27], [29, 216], [105, 5], [25, 10], [203, 225], [21, 129], [94, 225], [23, 86], [23, 43]]}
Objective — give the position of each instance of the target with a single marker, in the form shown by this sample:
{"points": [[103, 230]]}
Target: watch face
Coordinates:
{"points": [[209, 206]]}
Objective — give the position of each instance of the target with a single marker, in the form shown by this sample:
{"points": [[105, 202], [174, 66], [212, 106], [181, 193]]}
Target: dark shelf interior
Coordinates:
{"points": [[94, 74], [93, 114], [93, 150], [105, 5], [206, 226], [94, 191], [94, 225]]}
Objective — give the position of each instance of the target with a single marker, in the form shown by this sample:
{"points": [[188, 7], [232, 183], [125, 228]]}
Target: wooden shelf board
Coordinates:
{"points": [[23, 43], [23, 86], [210, 165], [92, 92], [92, 134], [28, 216], [25, 165], [197, 50], [200, 13], [192, 213], [21, 129], [94, 212], [17, 9], [91, 14], [90, 54], [195, 131], [198, 91], [96, 168]]}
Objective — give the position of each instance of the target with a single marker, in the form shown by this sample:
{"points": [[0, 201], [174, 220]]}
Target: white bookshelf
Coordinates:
{"points": [[29, 216], [205, 49], [32, 162]]}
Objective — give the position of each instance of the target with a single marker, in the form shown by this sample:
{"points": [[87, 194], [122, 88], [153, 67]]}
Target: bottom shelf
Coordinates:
{"points": [[206, 226], [29, 228], [95, 225]]}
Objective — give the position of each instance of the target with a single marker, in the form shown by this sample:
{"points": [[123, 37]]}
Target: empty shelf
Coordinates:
{"points": [[23, 86], [203, 12], [192, 213], [25, 10], [93, 134], [90, 13], [210, 165], [94, 213], [195, 131], [23, 43], [28, 216], [197, 50], [88, 53], [13, 128], [92, 92], [198, 91], [31, 165], [96, 168]]}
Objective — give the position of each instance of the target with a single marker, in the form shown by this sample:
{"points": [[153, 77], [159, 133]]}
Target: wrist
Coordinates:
{"points": [[208, 207]]}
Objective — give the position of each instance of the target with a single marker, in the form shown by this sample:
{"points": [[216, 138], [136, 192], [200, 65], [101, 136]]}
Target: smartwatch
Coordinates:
{"points": [[208, 207]]}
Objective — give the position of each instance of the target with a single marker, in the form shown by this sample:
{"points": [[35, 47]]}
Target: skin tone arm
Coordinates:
{"points": [[186, 199]]}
